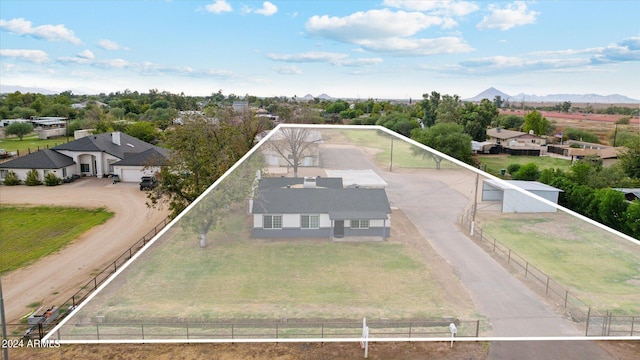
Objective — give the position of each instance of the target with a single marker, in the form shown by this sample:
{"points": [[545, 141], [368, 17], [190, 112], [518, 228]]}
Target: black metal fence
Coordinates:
{"points": [[19, 330], [269, 330], [596, 323]]}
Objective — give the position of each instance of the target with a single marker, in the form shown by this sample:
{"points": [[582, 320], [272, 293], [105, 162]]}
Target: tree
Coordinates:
{"points": [[209, 212], [629, 159], [142, 130], [429, 106], [293, 145], [201, 152], [536, 122], [498, 101], [449, 109], [19, 129], [529, 172], [447, 138]]}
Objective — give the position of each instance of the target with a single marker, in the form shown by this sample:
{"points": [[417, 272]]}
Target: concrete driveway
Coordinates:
{"points": [[54, 278]]}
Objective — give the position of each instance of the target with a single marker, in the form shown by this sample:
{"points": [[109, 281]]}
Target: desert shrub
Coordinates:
{"points": [[11, 179], [33, 178], [513, 168], [52, 180]]}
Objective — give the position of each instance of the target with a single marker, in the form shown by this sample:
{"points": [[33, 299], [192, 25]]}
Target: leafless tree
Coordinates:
{"points": [[293, 145]]}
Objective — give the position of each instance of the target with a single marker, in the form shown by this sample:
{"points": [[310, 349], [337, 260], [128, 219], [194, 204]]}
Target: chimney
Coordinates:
{"points": [[309, 182], [115, 137]]}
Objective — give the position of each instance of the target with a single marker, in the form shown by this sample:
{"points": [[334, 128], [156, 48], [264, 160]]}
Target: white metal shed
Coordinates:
{"points": [[514, 201]]}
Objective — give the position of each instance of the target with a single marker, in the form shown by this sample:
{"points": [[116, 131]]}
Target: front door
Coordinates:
{"points": [[338, 229]]}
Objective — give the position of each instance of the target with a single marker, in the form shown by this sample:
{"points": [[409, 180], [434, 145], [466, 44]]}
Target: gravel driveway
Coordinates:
{"points": [[55, 278]]}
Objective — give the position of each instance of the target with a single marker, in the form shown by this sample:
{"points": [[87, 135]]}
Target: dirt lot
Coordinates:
{"points": [[54, 278]]}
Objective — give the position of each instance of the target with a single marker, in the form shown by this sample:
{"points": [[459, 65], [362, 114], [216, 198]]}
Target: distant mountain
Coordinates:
{"points": [[7, 89], [491, 93], [310, 97]]}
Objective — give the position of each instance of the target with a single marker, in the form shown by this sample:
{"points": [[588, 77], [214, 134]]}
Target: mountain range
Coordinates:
{"points": [[491, 93]]}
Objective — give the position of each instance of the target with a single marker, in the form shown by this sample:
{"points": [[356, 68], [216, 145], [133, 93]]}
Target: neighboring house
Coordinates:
{"points": [[94, 155], [84, 104], [631, 194], [310, 157], [240, 106], [318, 208], [516, 142], [44, 162], [580, 149], [514, 201]]}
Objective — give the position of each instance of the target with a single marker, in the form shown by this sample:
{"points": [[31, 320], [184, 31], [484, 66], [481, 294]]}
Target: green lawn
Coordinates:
{"points": [[493, 163], [29, 143], [29, 233], [602, 270], [403, 154]]}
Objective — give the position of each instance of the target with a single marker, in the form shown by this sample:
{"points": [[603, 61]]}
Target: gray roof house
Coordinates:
{"points": [[93, 155], [318, 208]]}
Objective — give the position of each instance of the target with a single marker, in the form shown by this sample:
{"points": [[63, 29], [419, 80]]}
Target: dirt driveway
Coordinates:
{"points": [[55, 278]]}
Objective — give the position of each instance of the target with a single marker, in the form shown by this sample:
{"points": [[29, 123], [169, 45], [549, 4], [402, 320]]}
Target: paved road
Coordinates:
{"points": [[433, 200]]}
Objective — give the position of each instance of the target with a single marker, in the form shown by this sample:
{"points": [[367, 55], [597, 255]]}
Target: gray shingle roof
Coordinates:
{"points": [[351, 203], [43, 159], [103, 142], [283, 182], [155, 156]]}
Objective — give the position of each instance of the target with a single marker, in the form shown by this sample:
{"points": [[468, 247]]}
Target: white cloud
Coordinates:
{"points": [[34, 56], [86, 54], [402, 46], [218, 7], [110, 45], [442, 7], [288, 70], [337, 59], [372, 24], [512, 15], [312, 56], [21, 26], [268, 9], [387, 31]]}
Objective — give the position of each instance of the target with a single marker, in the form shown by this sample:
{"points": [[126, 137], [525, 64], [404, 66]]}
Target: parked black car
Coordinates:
{"points": [[148, 183]]}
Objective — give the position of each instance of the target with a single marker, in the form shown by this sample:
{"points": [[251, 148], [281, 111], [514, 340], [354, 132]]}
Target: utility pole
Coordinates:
{"points": [[391, 160], [4, 324]]}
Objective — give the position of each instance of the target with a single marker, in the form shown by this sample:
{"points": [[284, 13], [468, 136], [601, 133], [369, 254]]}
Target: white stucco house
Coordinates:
{"points": [[318, 208], [97, 155]]}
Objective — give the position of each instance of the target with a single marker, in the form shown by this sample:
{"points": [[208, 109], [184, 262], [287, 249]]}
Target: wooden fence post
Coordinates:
{"points": [[586, 333]]}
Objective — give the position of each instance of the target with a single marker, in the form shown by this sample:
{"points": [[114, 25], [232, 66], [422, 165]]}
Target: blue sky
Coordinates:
{"points": [[365, 49]]}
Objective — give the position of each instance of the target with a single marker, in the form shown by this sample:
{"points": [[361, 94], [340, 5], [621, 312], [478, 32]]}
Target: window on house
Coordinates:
{"points": [[310, 221], [360, 224], [84, 168], [272, 221], [3, 173], [64, 172]]}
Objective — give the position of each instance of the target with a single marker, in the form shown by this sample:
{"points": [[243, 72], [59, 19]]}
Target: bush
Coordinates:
{"points": [[33, 178], [11, 179], [52, 180], [529, 172], [513, 168]]}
